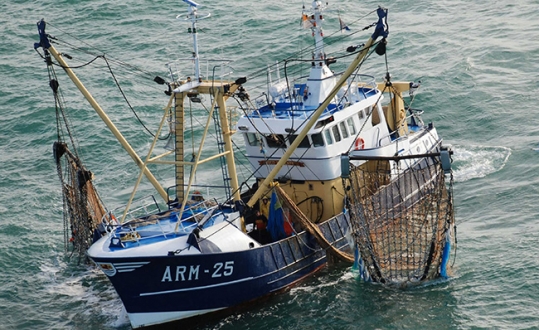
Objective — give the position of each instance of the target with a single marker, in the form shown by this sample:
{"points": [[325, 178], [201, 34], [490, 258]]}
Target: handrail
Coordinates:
{"points": [[134, 229], [397, 158]]}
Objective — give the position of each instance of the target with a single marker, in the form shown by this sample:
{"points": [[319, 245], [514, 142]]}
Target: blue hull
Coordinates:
{"points": [[190, 285]]}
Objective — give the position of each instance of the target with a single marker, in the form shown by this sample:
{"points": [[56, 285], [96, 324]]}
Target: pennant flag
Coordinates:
{"points": [[306, 22], [343, 25]]}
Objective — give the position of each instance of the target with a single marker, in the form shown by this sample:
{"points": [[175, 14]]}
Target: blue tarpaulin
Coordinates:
{"points": [[276, 219]]}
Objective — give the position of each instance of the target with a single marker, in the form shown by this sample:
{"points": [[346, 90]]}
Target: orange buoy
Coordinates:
{"points": [[359, 144]]}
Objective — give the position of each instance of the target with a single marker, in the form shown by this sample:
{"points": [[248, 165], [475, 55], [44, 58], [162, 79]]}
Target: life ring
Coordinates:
{"points": [[359, 144]]}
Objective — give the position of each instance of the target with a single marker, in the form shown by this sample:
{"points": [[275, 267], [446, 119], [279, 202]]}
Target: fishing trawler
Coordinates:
{"points": [[190, 255]]}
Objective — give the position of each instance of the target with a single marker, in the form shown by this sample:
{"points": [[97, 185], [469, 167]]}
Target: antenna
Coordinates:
{"points": [[315, 23], [193, 16]]}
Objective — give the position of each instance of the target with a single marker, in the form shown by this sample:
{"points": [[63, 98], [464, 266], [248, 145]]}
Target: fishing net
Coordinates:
{"points": [[299, 221], [401, 220], [83, 209]]}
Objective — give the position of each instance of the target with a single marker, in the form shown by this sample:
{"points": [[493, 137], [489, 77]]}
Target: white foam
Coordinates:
{"points": [[61, 278], [471, 162]]}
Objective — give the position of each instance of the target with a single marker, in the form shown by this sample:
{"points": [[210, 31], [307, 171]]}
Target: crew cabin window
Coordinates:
{"points": [[275, 141], [360, 115], [336, 133], [304, 143], [369, 110], [318, 140], [351, 126], [252, 139], [344, 131], [327, 135]]}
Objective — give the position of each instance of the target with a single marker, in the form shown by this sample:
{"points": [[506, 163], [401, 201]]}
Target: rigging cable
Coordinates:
{"points": [[129, 104], [116, 82], [302, 52]]}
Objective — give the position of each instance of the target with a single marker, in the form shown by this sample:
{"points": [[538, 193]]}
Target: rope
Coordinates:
{"points": [[313, 229], [128, 103]]}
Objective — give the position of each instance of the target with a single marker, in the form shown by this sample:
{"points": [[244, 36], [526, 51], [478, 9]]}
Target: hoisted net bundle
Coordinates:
{"points": [[83, 209], [400, 221]]}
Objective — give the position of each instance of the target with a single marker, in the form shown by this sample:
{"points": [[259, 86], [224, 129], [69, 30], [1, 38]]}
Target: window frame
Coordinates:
{"points": [[279, 142], [255, 142], [336, 133], [351, 126], [328, 137], [305, 143], [319, 138], [344, 130]]}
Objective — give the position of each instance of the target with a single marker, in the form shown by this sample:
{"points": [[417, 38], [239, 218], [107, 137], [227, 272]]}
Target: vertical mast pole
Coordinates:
{"points": [[179, 101], [192, 13], [179, 144], [319, 55]]}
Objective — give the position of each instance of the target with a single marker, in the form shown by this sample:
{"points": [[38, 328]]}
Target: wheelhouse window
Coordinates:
{"points": [[369, 110], [360, 115], [303, 144], [327, 135], [344, 131], [351, 126], [275, 141], [252, 139], [336, 133], [318, 140]]}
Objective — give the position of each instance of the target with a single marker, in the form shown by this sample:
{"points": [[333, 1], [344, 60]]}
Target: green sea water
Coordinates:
{"points": [[478, 63]]}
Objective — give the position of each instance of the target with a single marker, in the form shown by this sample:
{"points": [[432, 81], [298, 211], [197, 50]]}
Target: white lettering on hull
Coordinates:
{"points": [[191, 273]]}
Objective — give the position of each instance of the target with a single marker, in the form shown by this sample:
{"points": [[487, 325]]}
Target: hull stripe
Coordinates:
{"points": [[196, 288]]}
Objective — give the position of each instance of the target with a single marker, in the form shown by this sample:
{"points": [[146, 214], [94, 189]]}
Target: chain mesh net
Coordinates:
{"points": [[401, 220]]}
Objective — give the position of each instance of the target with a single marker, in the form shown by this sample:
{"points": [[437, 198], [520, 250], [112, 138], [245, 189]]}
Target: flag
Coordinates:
{"points": [[306, 22], [343, 25], [276, 220]]}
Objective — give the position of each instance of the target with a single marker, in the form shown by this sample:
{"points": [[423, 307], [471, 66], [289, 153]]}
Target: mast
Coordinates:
{"points": [[220, 93], [319, 55], [180, 94], [227, 137], [380, 30], [193, 16]]}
